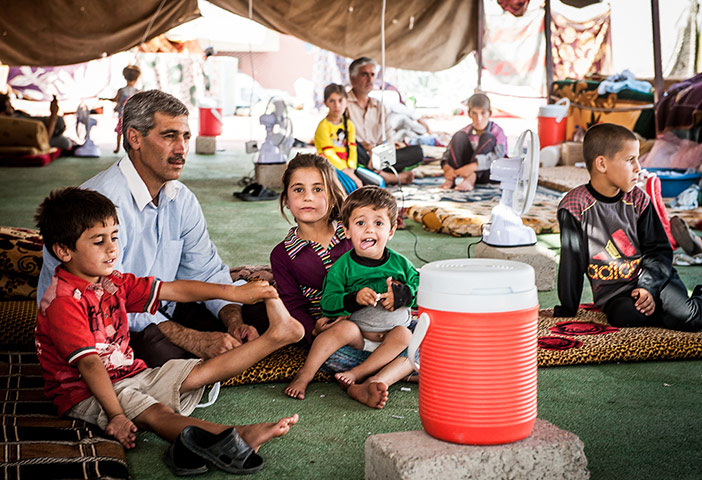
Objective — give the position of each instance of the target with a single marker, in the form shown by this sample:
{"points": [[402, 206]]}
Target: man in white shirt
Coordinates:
{"points": [[366, 114], [163, 233]]}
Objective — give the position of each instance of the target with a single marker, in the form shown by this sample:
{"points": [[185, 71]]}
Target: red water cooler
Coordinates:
{"points": [[553, 120], [210, 121], [477, 336]]}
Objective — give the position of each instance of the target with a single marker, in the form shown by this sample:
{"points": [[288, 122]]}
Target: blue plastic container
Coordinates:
{"points": [[675, 180]]}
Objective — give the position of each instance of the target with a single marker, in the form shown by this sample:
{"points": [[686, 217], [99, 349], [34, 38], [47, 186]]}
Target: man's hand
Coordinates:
{"points": [[323, 323], [244, 333], [366, 296], [644, 301], [123, 430], [387, 299], [230, 315], [211, 344], [256, 291]]}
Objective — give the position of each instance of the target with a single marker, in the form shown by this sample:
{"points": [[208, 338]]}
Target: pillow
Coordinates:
{"points": [[20, 251], [23, 132]]}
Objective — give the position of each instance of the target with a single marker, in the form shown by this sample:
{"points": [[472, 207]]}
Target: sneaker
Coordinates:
{"points": [[690, 243]]}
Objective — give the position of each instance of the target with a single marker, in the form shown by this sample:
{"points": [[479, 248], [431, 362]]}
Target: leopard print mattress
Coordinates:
{"points": [[601, 343]]}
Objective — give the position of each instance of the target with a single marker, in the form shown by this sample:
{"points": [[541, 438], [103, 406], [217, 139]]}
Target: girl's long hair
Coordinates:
{"points": [[335, 192], [336, 88]]}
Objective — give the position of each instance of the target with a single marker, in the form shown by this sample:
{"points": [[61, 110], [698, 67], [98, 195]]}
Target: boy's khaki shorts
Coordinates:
{"points": [[146, 388]]}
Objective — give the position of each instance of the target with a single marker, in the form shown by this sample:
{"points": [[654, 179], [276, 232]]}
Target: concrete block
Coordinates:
{"points": [[542, 260], [205, 145], [270, 175], [548, 453]]}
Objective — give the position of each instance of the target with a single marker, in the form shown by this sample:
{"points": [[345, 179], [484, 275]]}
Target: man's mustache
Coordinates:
{"points": [[176, 159]]}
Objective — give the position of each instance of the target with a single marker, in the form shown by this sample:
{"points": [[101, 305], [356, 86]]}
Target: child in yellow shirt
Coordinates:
{"points": [[335, 139]]}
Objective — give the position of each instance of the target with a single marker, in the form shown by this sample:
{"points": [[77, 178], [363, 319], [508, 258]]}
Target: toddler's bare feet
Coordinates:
{"points": [[345, 379], [297, 388], [447, 185], [373, 394], [283, 327], [259, 433]]}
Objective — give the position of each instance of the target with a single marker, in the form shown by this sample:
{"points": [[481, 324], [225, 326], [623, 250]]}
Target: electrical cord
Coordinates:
{"points": [[402, 207]]}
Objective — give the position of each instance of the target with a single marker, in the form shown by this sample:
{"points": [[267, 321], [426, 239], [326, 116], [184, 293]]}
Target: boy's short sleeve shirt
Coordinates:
{"points": [[77, 318]]}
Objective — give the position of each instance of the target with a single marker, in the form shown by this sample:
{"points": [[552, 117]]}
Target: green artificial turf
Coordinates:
{"points": [[638, 421]]}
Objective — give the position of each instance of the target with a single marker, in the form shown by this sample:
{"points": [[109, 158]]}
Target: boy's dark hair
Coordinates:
{"points": [[139, 111], [479, 100], [131, 73], [66, 213], [335, 193], [604, 139], [369, 196]]}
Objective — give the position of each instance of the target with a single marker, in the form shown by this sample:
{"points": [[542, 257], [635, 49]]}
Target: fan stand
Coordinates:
{"points": [[506, 236]]}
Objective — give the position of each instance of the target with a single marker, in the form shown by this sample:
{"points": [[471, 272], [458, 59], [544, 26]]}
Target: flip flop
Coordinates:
{"points": [[181, 471], [228, 451], [255, 192]]}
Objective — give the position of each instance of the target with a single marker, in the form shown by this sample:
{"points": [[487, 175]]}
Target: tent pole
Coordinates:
{"points": [[549, 53], [479, 49], [658, 70]]}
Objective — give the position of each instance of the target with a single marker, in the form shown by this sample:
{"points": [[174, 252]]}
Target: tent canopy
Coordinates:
{"points": [[426, 35]]}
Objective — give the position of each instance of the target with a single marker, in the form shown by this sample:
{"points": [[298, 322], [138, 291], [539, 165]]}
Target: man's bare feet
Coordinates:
{"points": [[283, 328], [259, 433], [297, 388], [345, 379], [448, 184], [373, 394]]}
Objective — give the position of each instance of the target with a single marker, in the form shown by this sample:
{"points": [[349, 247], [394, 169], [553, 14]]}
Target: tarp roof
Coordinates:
{"points": [[420, 34], [50, 32]]}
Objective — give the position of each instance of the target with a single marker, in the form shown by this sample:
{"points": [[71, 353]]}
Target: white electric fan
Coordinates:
{"points": [[279, 136], [88, 148], [518, 176]]}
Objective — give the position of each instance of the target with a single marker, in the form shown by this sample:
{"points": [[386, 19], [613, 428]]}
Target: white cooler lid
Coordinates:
{"points": [[477, 285]]}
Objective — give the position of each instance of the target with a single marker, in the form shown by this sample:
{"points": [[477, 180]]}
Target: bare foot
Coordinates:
{"points": [[464, 186], [407, 177], [297, 388], [448, 184], [345, 379], [373, 394], [283, 327], [259, 433]]}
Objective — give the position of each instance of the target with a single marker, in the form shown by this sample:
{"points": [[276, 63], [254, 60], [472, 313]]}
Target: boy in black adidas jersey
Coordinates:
{"points": [[611, 232]]}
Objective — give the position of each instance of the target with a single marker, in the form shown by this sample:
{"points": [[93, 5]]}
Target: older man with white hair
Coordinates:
{"points": [[365, 112]]}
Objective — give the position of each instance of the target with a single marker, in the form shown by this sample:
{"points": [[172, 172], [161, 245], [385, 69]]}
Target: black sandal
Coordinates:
{"points": [[255, 192]]}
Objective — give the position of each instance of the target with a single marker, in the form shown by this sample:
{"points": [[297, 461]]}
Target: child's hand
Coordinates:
{"points": [[256, 291], [387, 300], [323, 323], [366, 296], [644, 301], [123, 430]]}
